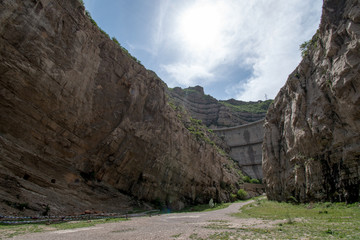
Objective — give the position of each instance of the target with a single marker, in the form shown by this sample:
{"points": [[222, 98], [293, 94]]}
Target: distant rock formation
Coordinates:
{"points": [[85, 126], [238, 123], [312, 131], [214, 113]]}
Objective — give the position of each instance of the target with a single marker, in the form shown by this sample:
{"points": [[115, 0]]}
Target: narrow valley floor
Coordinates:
{"points": [[195, 225]]}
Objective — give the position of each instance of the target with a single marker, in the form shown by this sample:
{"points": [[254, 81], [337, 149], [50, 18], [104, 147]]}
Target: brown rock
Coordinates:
{"points": [[84, 126], [311, 149]]}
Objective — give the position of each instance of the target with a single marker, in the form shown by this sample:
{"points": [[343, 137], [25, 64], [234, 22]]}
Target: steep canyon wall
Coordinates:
{"points": [[312, 131], [84, 126]]}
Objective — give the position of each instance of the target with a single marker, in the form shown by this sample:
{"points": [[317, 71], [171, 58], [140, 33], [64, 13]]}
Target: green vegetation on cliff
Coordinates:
{"points": [[196, 127], [203, 133], [107, 35], [125, 50], [250, 107], [307, 46]]}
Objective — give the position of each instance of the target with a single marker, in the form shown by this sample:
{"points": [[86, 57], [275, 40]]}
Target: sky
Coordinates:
{"points": [[241, 49]]}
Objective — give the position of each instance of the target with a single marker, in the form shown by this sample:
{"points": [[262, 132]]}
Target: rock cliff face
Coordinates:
{"points": [[214, 113], [311, 149], [83, 126]]}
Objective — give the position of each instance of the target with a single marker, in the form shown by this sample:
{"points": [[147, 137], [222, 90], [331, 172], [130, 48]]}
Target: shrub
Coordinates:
{"points": [[246, 179], [233, 197], [242, 194], [91, 19], [256, 181], [116, 41], [308, 45], [103, 32]]}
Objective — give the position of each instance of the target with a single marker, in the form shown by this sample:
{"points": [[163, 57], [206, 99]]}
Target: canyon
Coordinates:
{"points": [[84, 126]]}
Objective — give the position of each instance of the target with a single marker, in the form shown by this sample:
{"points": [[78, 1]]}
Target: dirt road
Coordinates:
{"points": [[168, 226]]}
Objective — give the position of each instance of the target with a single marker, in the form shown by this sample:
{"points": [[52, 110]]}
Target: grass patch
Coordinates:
{"points": [[8, 231], [195, 236], [176, 235], [12, 231], [318, 221], [218, 226]]}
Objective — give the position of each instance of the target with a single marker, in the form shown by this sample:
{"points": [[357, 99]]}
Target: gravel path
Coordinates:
{"points": [[168, 226]]}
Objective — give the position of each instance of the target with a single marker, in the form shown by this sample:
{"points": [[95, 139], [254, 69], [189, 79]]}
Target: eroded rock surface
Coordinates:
{"points": [[312, 131], [84, 126], [213, 113]]}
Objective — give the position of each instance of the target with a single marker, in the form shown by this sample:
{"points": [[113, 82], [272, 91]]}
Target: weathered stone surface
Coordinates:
{"points": [[245, 144], [212, 112], [83, 126], [312, 131]]}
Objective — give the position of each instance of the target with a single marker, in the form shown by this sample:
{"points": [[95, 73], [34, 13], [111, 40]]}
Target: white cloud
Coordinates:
{"points": [[158, 36], [278, 52], [187, 75], [263, 35]]}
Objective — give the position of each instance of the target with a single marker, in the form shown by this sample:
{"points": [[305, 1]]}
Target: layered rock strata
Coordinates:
{"points": [[213, 113], [312, 131], [84, 126]]}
